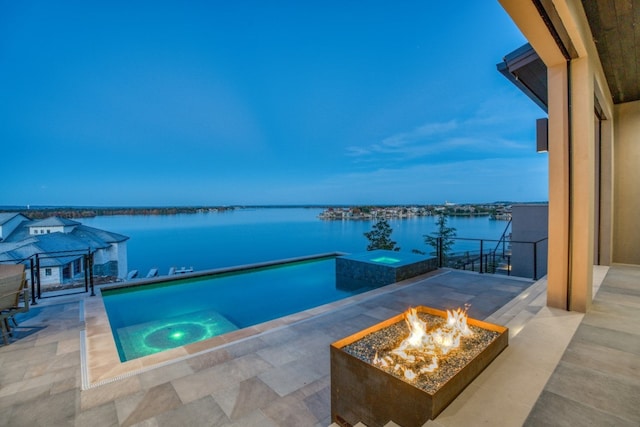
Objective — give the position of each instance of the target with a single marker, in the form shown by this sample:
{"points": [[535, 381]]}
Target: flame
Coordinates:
{"points": [[417, 328], [424, 348]]}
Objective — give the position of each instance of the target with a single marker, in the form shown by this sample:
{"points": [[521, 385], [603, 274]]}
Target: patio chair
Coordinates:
{"points": [[12, 286]]}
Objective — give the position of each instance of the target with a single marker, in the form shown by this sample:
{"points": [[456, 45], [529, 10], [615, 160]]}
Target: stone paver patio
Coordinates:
{"points": [[275, 375]]}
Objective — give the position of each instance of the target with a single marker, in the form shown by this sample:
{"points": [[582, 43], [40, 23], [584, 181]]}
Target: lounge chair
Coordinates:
{"points": [[12, 286]]}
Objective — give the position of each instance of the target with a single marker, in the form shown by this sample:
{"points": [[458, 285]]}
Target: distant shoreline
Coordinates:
{"points": [[88, 212], [41, 212]]}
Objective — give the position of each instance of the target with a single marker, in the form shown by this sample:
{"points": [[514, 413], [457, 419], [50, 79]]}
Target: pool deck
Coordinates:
{"points": [[59, 371]]}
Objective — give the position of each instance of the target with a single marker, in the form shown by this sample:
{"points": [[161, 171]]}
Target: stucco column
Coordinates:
{"points": [[606, 192], [558, 249], [583, 180], [571, 148]]}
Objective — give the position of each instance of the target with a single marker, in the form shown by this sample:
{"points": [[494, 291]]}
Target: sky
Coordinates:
{"points": [[158, 103]]}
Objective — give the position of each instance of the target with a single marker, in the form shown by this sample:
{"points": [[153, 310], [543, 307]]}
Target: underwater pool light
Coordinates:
{"points": [[148, 338], [176, 335]]}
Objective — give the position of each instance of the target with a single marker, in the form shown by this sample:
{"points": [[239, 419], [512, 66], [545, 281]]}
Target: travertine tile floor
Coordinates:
{"points": [[597, 381], [277, 377]]}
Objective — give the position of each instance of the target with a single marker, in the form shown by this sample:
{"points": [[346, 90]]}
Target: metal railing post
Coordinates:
{"points": [[33, 282], [481, 257], [86, 272], [93, 292], [493, 262], [39, 289], [440, 257], [535, 260]]}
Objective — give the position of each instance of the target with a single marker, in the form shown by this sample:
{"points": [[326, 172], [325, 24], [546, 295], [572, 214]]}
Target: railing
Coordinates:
{"points": [[489, 258], [82, 279], [504, 238]]}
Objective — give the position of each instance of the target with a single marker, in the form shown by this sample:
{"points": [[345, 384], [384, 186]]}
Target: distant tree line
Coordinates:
{"points": [[41, 213]]}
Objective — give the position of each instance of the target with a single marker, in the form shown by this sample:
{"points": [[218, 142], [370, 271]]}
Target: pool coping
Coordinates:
{"points": [[101, 363]]}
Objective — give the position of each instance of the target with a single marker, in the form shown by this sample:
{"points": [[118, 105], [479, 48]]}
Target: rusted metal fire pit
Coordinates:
{"points": [[364, 391]]}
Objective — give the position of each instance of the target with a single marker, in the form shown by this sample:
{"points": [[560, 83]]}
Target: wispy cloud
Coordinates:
{"points": [[420, 133], [405, 145], [487, 131], [518, 179]]}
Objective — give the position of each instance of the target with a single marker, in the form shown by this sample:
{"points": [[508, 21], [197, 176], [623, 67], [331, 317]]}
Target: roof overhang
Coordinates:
{"points": [[615, 27], [524, 68]]}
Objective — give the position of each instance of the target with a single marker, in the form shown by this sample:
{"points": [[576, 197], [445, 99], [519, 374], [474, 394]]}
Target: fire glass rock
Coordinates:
{"points": [[383, 341], [362, 391]]}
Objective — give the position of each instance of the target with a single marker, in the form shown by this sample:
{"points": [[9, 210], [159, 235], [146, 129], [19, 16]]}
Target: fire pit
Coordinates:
{"points": [[409, 371]]}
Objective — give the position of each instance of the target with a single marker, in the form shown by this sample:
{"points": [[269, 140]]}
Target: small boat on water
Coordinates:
{"points": [[181, 270]]}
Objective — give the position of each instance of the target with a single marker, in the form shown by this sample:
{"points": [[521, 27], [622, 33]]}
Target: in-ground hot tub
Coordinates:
{"points": [[380, 268]]}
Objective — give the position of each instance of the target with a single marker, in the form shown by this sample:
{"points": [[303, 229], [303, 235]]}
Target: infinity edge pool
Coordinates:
{"points": [[101, 363], [162, 314]]}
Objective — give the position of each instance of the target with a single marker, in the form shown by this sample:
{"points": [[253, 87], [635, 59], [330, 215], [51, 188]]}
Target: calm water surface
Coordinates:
{"points": [[244, 236], [146, 319]]}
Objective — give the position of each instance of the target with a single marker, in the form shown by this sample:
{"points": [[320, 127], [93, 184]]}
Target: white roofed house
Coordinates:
{"points": [[61, 245]]}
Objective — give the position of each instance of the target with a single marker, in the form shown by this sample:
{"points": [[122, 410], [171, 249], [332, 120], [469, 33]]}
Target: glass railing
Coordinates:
{"points": [[68, 272], [58, 273]]}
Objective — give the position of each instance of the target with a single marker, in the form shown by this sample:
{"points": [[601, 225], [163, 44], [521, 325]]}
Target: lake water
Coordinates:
{"points": [[244, 236]]}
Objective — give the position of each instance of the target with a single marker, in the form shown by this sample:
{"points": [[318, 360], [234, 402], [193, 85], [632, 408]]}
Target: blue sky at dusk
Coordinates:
{"points": [[262, 102]]}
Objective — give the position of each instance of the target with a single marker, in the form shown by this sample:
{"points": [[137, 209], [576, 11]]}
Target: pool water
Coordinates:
{"points": [[150, 318]]}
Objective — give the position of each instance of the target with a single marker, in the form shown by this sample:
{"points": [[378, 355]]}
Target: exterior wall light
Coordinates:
{"points": [[542, 135]]}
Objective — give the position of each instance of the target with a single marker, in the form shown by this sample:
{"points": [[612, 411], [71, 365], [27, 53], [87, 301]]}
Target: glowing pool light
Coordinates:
{"points": [[171, 335], [152, 337], [176, 335], [385, 260]]}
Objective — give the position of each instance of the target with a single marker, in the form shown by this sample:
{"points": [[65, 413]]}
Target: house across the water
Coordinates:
{"points": [[61, 245]]}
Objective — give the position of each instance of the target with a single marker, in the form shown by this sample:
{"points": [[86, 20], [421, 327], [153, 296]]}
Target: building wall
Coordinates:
{"points": [[111, 261], [529, 224], [108, 268], [626, 226], [121, 258], [53, 279], [46, 230], [100, 256]]}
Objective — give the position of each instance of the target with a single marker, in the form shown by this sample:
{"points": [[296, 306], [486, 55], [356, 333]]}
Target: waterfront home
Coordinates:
{"points": [[573, 352], [61, 246]]}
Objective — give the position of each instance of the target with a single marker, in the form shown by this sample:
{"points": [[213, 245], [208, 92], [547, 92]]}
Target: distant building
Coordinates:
{"points": [[62, 244]]}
